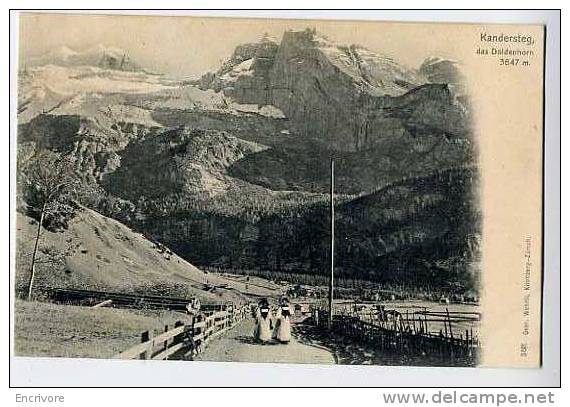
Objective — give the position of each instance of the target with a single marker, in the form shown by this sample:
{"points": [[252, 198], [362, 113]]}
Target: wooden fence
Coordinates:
{"points": [[120, 300], [184, 340], [404, 339], [420, 320]]}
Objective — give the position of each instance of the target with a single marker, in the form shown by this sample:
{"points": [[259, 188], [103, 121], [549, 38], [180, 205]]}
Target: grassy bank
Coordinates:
{"points": [[44, 329]]}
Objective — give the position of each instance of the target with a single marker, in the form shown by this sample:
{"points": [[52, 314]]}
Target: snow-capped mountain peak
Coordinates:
{"points": [[101, 56]]}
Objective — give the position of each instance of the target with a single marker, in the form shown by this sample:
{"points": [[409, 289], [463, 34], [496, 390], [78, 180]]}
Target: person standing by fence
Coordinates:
{"points": [[193, 307]]}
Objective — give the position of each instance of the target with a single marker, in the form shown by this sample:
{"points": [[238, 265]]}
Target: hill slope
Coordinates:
{"points": [[99, 253]]}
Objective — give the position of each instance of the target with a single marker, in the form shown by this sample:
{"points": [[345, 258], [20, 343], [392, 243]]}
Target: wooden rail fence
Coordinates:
{"points": [[184, 340], [121, 300], [404, 339]]}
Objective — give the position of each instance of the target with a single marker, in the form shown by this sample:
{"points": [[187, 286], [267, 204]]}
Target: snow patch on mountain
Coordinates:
{"points": [[68, 81], [183, 97], [79, 89], [101, 56], [242, 69], [376, 73], [265, 110]]}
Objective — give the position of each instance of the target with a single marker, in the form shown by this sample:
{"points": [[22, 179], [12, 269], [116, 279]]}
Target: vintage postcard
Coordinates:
{"points": [[272, 190]]}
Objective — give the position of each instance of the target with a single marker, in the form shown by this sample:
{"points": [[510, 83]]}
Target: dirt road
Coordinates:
{"points": [[238, 346]]}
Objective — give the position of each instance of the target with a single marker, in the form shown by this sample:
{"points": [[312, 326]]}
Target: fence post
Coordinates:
{"points": [[449, 322], [180, 337], [165, 343], [210, 325], [147, 337], [208, 322]]}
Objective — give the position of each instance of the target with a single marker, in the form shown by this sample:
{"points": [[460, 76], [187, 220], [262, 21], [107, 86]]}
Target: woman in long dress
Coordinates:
{"points": [[283, 325], [262, 330]]}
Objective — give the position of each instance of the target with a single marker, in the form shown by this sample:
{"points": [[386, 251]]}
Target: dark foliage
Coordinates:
{"points": [[421, 231]]}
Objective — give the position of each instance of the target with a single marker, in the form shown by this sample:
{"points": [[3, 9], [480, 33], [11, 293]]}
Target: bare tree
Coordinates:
{"points": [[49, 183]]}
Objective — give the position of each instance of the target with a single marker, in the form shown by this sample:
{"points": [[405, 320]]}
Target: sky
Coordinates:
{"points": [[183, 46]]}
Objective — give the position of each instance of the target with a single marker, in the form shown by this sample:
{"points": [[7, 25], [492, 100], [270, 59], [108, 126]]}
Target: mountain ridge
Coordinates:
{"points": [[228, 170], [334, 93]]}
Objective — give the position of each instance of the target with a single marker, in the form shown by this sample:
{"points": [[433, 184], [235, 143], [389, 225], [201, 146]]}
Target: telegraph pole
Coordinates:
{"points": [[331, 279]]}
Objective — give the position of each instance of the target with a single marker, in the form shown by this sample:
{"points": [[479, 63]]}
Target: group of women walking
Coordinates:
{"points": [[272, 324]]}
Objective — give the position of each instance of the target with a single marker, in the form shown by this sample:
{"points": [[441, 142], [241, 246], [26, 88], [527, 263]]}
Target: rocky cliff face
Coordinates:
{"points": [[344, 96], [336, 93], [93, 144], [178, 162], [440, 70], [245, 76]]}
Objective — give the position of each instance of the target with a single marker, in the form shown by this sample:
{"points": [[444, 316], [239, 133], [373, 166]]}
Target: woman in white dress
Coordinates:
{"points": [[283, 325], [262, 330]]}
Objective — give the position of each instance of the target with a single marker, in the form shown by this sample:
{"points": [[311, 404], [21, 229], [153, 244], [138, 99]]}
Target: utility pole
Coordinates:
{"points": [[331, 279]]}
